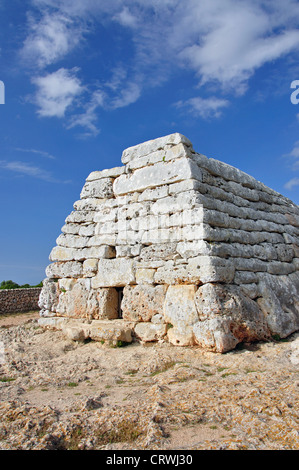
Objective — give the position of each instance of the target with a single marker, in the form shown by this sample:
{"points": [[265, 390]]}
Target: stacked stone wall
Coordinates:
{"points": [[19, 300], [203, 253]]}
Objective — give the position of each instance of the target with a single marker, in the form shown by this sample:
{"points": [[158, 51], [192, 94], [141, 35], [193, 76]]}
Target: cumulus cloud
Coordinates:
{"points": [[56, 92], [27, 169], [204, 107], [221, 42], [292, 183], [50, 39], [88, 118]]}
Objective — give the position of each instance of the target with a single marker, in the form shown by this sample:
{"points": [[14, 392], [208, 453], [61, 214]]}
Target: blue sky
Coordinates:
{"points": [[85, 79]]}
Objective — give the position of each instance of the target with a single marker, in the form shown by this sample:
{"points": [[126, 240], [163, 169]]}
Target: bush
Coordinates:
{"points": [[13, 285]]}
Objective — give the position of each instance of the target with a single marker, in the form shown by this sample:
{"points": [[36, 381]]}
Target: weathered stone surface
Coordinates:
{"points": [[171, 217], [181, 314], [90, 267], [198, 270], [79, 301], [101, 188], [150, 146], [145, 275], [67, 269], [226, 318], [111, 332], [108, 304], [107, 173], [116, 272], [156, 175], [279, 302], [48, 298], [149, 332], [141, 302]]}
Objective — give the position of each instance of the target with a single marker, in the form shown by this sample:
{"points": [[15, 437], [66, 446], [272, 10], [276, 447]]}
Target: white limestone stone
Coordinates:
{"points": [[151, 146], [107, 173], [114, 273], [156, 175], [181, 314], [149, 332], [90, 267], [100, 189], [65, 269]]}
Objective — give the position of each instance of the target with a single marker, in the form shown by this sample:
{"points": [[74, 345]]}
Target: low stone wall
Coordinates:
{"points": [[19, 300]]}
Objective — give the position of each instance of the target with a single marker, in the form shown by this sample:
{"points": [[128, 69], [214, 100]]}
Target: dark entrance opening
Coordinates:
{"points": [[120, 291]]}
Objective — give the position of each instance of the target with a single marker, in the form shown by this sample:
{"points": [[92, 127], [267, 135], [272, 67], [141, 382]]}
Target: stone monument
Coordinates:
{"points": [[174, 246]]}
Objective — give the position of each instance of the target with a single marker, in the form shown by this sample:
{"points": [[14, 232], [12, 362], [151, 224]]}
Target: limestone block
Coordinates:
{"points": [[151, 146], [145, 275], [285, 253], [107, 173], [102, 239], [90, 267], [277, 267], [60, 253], [279, 302], [163, 251], [87, 230], [64, 269], [152, 194], [214, 334], [165, 155], [130, 237], [245, 277], [141, 302], [103, 251], [156, 175], [89, 204], [79, 301], [212, 269], [149, 332], [71, 228], [66, 284], [48, 298], [227, 317], [180, 312], [106, 214], [158, 318], [72, 241], [163, 235], [53, 322], [251, 290], [101, 189], [108, 304], [191, 249], [80, 216], [75, 332], [110, 332], [182, 186], [114, 273]]}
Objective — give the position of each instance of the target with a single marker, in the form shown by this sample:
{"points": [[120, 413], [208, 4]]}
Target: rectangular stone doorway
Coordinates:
{"points": [[120, 291]]}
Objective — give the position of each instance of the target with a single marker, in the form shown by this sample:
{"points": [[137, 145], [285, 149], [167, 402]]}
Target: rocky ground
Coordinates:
{"points": [[57, 394]]}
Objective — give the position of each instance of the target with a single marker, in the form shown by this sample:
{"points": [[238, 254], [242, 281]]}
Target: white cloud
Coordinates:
{"points": [[27, 169], [206, 108], [292, 183], [236, 38], [127, 95], [50, 39], [89, 117], [56, 92], [126, 18], [222, 42], [38, 152]]}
